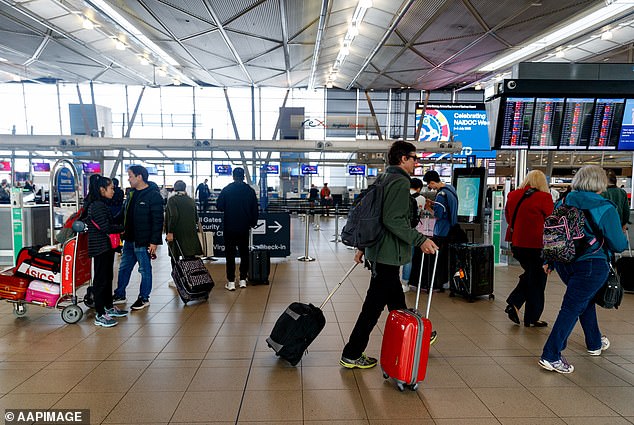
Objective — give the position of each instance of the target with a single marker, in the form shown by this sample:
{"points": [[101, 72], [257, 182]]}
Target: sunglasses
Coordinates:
{"points": [[414, 157]]}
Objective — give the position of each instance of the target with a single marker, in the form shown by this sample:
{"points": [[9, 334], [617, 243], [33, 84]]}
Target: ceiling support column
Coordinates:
{"points": [[376, 121]]}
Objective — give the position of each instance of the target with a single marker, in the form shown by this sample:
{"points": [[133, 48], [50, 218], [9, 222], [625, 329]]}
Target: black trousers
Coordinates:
{"points": [[385, 289], [241, 241], [204, 203], [102, 281], [442, 268], [532, 283]]}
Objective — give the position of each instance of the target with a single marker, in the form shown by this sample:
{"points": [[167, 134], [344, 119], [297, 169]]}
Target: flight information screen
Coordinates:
{"points": [[517, 122], [606, 123], [577, 124], [547, 120]]}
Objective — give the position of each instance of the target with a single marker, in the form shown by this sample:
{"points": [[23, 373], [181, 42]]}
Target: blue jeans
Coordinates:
{"points": [[407, 268], [129, 257], [583, 280]]}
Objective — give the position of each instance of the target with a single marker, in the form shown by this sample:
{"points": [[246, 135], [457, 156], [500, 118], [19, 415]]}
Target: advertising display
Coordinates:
{"points": [[5, 166], [272, 169], [222, 169], [373, 172], [307, 169], [356, 170], [460, 122], [626, 140], [88, 167], [41, 167], [470, 184]]}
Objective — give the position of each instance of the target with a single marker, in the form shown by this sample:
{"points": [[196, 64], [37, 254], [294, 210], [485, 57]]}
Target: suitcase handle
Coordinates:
{"points": [[338, 285], [179, 248], [431, 285]]}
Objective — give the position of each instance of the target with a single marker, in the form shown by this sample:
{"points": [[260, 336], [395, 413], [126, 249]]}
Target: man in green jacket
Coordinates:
{"points": [[393, 250], [619, 197], [181, 224]]}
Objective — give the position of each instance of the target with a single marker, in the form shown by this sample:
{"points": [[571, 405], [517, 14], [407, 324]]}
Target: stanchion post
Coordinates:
{"points": [[337, 236], [306, 257]]}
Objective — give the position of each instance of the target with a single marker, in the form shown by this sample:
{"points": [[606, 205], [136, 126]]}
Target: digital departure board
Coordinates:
{"points": [[516, 122], [577, 124], [606, 123], [547, 121]]}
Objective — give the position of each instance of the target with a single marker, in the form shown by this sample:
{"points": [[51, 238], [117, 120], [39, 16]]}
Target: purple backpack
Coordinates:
{"points": [[563, 234]]}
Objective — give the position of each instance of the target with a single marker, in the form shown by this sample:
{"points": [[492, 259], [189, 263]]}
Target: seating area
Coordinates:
{"points": [[208, 363]]}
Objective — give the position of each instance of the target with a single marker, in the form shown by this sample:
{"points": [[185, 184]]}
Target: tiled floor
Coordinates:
{"points": [[209, 363]]}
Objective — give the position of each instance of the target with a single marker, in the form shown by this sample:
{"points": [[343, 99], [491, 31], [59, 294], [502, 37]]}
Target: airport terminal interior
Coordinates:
{"points": [[303, 93]]}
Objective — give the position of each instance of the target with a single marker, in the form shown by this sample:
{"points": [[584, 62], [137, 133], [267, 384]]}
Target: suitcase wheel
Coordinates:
{"points": [[385, 375], [491, 296], [415, 387], [19, 310], [400, 386]]}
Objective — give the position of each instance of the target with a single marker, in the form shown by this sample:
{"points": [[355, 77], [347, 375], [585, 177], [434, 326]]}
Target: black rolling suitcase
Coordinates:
{"points": [[298, 326], [259, 266], [625, 269], [191, 277], [471, 270]]}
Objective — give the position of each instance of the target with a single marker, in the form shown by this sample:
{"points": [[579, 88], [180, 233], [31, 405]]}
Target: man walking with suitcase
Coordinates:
{"points": [[240, 206], [386, 256]]}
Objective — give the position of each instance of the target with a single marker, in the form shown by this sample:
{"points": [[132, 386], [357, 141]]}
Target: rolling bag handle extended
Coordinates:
{"points": [[431, 285], [338, 285], [179, 248]]}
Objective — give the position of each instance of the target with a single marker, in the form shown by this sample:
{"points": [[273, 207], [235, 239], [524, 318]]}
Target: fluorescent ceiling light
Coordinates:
{"points": [[119, 45], [114, 15], [560, 54], [551, 39], [87, 24], [4, 60], [606, 35]]}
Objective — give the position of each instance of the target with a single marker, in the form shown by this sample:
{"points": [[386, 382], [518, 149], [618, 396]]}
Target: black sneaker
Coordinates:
{"points": [[363, 362], [118, 300], [140, 304]]}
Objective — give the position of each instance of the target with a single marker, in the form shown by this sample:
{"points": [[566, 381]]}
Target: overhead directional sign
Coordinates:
{"points": [[272, 232]]}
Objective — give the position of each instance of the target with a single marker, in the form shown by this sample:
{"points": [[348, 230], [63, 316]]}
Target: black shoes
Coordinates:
{"points": [[511, 311], [536, 324]]}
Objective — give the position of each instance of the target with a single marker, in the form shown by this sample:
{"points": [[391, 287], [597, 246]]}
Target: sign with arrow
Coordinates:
{"points": [[272, 232]]}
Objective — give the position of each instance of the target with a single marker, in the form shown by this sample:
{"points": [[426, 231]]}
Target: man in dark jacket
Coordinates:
{"points": [[203, 195], [619, 197], [240, 206], [143, 224], [392, 251]]}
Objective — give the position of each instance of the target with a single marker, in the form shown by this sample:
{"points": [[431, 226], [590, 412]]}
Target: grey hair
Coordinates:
{"points": [[590, 178]]}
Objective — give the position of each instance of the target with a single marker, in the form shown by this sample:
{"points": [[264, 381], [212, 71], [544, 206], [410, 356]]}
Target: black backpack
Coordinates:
{"points": [[365, 225]]}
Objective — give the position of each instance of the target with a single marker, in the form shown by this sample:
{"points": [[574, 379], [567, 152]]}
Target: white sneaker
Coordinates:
{"points": [[171, 284], [243, 283], [230, 286], [605, 344], [405, 286]]}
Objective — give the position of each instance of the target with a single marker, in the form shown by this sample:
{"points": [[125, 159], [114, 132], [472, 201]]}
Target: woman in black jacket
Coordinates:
{"points": [[100, 225]]}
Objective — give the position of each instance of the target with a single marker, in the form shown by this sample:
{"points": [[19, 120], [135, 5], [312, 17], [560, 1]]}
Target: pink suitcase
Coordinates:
{"points": [[44, 293], [406, 340]]}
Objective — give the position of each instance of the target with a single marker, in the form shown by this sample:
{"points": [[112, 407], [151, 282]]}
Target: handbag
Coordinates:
{"points": [[115, 238], [611, 293]]}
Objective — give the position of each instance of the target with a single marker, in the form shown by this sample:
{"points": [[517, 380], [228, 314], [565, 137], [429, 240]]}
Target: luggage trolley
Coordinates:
{"points": [[75, 264], [75, 271]]}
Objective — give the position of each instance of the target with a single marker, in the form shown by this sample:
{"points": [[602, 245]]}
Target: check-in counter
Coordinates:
{"points": [[35, 228]]}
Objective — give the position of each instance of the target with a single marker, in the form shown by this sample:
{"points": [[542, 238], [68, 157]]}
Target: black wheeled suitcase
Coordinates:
{"points": [[259, 266], [471, 270], [298, 327], [625, 269], [191, 278]]}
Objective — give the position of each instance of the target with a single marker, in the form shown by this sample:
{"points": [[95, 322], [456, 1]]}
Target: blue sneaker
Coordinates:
{"points": [[105, 321], [116, 312]]}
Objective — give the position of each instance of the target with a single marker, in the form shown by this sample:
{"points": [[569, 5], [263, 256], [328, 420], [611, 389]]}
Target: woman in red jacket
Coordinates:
{"points": [[526, 209]]}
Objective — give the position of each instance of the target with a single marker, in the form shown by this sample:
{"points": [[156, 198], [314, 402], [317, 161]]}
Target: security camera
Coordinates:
{"points": [[511, 85]]}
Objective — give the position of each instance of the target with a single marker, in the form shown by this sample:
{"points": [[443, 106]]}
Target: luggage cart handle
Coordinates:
{"points": [[338, 285], [431, 284]]}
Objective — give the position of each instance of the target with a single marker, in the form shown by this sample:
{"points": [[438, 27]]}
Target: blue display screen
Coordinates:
{"points": [[222, 169], [272, 169], [356, 170], [182, 168], [309, 169], [626, 139]]}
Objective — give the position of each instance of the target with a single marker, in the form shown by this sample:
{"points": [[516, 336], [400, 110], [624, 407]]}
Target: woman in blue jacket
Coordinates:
{"points": [[587, 274]]}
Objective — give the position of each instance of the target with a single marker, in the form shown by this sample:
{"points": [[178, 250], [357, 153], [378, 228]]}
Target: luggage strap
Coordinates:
{"points": [[338, 285]]}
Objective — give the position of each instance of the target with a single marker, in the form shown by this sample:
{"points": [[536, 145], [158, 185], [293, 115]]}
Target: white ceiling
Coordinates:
{"points": [[424, 44]]}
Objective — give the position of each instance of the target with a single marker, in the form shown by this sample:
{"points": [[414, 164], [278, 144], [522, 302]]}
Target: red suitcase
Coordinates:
{"points": [[13, 287], [405, 348]]}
